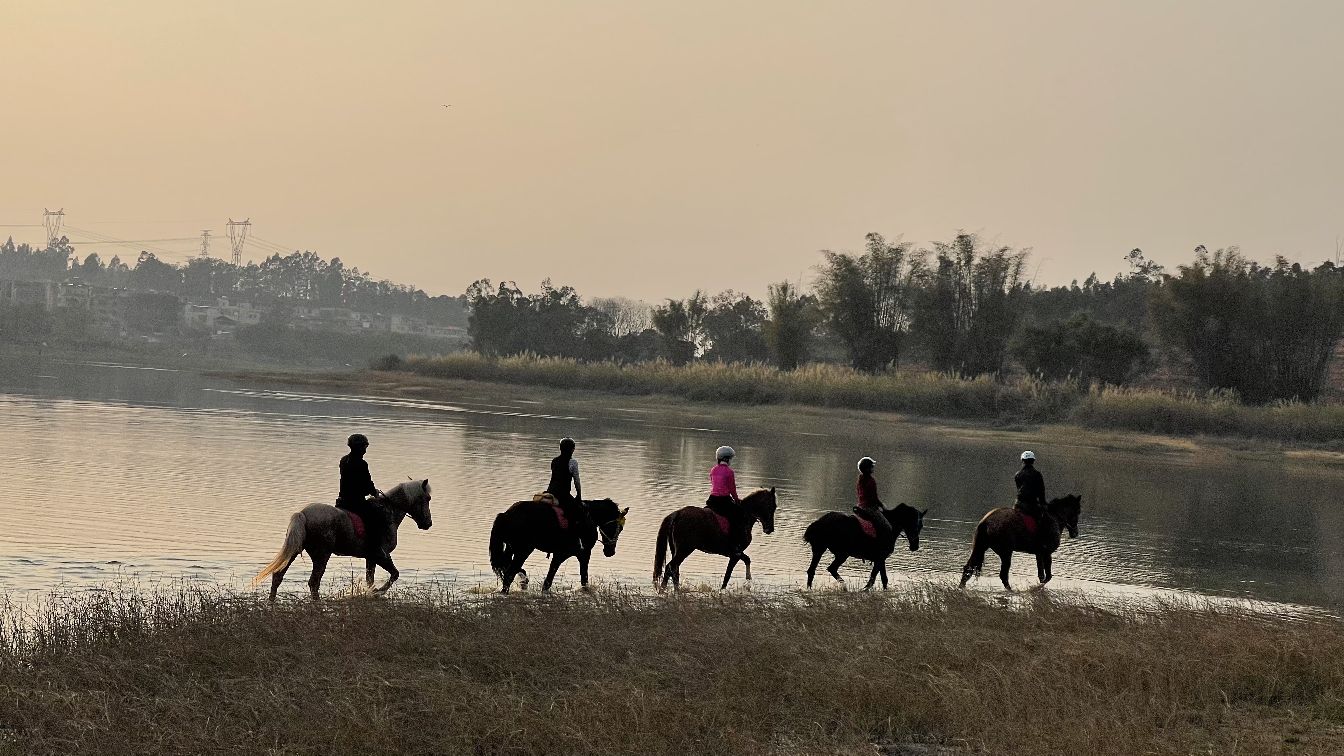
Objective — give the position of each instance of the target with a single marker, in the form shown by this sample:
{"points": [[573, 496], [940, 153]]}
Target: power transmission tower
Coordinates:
{"points": [[52, 221], [205, 243], [237, 237]]}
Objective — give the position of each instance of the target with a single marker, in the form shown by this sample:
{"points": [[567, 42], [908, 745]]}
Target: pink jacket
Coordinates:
{"points": [[722, 481]]}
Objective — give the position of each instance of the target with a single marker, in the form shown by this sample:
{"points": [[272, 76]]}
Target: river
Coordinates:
{"points": [[116, 472]]}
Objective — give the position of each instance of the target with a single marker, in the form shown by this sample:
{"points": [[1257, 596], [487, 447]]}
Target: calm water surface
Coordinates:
{"points": [[113, 470]]}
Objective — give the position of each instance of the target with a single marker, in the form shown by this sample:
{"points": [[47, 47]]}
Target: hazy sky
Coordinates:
{"points": [[651, 148]]}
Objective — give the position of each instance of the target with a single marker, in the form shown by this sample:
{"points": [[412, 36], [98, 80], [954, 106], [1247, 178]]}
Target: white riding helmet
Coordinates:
{"points": [[868, 460], [724, 452], [1026, 455]]}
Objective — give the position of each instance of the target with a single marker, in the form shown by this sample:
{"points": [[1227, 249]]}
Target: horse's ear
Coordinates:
{"points": [[921, 514], [425, 482], [625, 511], [772, 489]]}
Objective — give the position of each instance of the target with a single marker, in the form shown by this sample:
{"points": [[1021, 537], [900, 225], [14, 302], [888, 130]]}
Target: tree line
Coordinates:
{"points": [[299, 278], [966, 308]]}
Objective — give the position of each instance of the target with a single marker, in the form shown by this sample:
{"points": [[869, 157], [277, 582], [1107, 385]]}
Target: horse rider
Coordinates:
{"points": [[869, 506], [1030, 487], [564, 472], [723, 494], [357, 486]]}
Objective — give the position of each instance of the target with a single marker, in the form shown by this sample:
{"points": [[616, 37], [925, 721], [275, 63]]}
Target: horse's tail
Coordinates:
{"points": [[660, 552], [499, 558], [977, 560], [813, 533], [294, 536]]}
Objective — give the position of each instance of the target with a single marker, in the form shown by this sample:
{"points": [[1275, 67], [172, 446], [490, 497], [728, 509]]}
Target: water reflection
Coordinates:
{"points": [[169, 473]]}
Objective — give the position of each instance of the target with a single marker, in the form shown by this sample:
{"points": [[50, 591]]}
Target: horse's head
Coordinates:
{"points": [[412, 497], [610, 521], [761, 504], [904, 517], [1066, 509]]}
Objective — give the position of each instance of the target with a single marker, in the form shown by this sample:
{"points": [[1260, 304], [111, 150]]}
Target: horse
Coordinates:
{"points": [[323, 530], [1006, 530], [844, 535], [530, 525], [691, 528]]}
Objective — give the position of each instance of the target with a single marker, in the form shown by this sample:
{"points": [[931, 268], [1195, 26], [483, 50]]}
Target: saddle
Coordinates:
{"points": [[869, 529], [724, 525], [1028, 521], [546, 497], [356, 522]]}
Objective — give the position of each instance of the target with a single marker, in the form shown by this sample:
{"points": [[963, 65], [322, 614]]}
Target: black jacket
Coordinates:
{"points": [[356, 482], [562, 480], [1030, 485]]}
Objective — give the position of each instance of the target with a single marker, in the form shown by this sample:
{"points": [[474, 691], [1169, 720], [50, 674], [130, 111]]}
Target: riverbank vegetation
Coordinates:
{"points": [[1013, 401], [614, 671]]}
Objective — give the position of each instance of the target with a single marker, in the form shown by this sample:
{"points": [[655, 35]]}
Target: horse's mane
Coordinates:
{"points": [[408, 490], [758, 493]]}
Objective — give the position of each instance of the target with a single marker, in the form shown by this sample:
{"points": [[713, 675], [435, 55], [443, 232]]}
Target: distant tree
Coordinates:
{"points": [[793, 317], [969, 305], [1267, 332], [868, 299], [680, 325], [152, 274], [734, 329], [627, 316], [1081, 348]]}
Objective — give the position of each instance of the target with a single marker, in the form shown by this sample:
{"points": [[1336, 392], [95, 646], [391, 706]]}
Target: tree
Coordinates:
{"points": [[969, 305], [734, 329], [867, 299], [1081, 348], [792, 318], [628, 316], [680, 325], [1266, 332], [152, 274]]}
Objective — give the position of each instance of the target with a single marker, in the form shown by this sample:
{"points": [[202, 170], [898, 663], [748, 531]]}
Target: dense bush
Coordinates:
{"points": [[1081, 348]]}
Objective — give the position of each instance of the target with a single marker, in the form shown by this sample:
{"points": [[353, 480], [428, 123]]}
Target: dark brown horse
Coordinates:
{"points": [[843, 534], [531, 525], [323, 530], [691, 528], [1005, 530]]}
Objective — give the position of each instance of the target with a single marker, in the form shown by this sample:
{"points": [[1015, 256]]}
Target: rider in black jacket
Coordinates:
{"points": [[356, 487], [1030, 487]]}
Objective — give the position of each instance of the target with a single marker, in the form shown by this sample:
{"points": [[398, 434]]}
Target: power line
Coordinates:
{"points": [[237, 238], [52, 222]]}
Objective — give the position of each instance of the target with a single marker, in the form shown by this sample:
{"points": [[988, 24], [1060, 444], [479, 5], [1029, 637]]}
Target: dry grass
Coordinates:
{"points": [[923, 394], [619, 672]]}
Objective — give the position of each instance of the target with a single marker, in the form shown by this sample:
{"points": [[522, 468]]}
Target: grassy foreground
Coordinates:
{"points": [[204, 671], [931, 395]]}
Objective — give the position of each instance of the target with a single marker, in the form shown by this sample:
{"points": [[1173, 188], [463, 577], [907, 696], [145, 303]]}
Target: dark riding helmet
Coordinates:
{"points": [[566, 445], [357, 441], [866, 464]]}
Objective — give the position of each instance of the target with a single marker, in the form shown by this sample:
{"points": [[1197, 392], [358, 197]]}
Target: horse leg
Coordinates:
{"points": [[872, 578], [385, 561], [817, 551], [556, 559], [515, 568], [883, 573], [368, 572], [732, 562], [1043, 568], [319, 567], [746, 562], [834, 569], [1005, 564], [674, 569], [583, 557], [279, 575]]}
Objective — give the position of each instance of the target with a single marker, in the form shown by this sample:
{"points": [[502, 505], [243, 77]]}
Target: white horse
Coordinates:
{"points": [[323, 530]]}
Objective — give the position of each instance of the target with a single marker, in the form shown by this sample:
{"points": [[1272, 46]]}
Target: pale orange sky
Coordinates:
{"points": [[649, 149]]}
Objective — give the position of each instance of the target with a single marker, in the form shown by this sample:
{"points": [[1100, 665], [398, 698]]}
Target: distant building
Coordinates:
{"points": [[220, 317]]}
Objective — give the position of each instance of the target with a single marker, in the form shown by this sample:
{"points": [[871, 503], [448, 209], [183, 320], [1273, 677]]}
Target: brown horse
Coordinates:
{"points": [[691, 528], [323, 530], [843, 535], [1005, 530], [531, 525]]}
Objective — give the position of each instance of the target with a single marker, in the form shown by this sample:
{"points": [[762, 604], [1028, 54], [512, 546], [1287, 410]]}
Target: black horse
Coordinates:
{"points": [[844, 536], [1006, 530], [531, 525]]}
